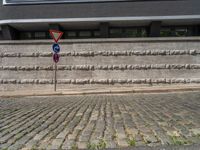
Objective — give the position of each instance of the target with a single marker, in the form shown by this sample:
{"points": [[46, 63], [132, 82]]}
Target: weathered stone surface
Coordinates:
{"points": [[76, 121], [105, 53], [31, 67], [103, 67]]}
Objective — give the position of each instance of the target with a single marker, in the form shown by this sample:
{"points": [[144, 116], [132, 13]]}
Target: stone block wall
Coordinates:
{"points": [[28, 65]]}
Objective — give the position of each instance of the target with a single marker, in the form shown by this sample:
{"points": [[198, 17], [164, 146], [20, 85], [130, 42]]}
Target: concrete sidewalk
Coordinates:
{"points": [[102, 90]]}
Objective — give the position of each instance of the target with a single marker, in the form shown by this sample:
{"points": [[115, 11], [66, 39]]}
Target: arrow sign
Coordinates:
{"points": [[56, 48], [56, 35]]}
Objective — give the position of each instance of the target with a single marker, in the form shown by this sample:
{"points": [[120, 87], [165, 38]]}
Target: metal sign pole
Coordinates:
{"points": [[55, 77], [56, 35]]}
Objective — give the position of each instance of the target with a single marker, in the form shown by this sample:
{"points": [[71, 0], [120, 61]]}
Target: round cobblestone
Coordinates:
{"points": [[113, 121]]}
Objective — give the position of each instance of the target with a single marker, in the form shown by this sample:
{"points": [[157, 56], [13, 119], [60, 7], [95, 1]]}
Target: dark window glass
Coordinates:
{"points": [[174, 31], [181, 32], [165, 32], [96, 34], [85, 34], [71, 34], [115, 32], [144, 33], [130, 33], [48, 35], [40, 35], [26, 35]]}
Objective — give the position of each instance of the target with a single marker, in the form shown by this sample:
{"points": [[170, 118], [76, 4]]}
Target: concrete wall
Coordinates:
{"points": [[100, 62]]}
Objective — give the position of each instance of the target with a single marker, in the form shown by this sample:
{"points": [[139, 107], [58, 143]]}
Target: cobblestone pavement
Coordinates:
{"points": [[99, 121]]}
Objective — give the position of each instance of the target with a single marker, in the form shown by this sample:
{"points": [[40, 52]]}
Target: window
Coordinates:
{"points": [[85, 34], [115, 32], [26, 35], [165, 32], [96, 34], [40, 35], [33, 35], [128, 32], [181, 32], [175, 31], [70, 34]]}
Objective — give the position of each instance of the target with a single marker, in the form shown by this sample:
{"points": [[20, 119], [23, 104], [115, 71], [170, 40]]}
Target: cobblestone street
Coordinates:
{"points": [[99, 121]]}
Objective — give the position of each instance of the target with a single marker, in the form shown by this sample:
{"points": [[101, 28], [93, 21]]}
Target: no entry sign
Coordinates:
{"points": [[56, 57]]}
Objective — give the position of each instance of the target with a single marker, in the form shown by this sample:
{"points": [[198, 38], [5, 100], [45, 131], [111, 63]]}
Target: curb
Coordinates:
{"points": [[136, 90]]}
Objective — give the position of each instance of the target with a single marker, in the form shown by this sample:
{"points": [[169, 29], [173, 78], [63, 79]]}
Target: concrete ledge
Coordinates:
{"points": [[111, 90], [105, 40]]}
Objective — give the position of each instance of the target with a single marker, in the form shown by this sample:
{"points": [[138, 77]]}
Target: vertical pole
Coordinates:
{"points": [[55, 77]]}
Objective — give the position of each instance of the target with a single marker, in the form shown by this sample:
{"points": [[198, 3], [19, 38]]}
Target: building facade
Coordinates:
{"points": [[31, 19], [105, 43]]}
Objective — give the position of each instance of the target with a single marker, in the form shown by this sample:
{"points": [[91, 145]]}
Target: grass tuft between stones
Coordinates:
{"points": [[131, 141], [74, 147], [91, 146], [179, 141], [99, 146]]}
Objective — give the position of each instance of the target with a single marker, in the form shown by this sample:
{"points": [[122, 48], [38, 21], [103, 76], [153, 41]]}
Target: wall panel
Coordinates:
{"points": [[28, 65]]}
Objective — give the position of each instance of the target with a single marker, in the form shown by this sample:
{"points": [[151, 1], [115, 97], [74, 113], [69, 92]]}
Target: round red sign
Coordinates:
{"points": [[56, 57]]}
